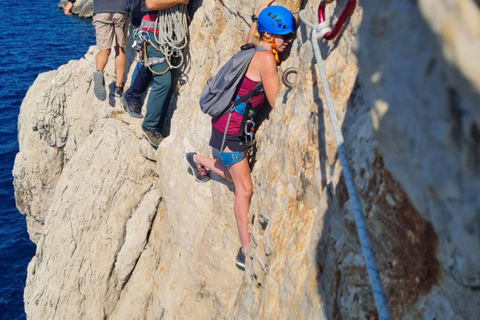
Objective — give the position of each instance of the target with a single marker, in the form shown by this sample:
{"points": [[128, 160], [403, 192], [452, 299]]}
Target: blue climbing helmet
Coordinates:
{"points": [[276, 20]]}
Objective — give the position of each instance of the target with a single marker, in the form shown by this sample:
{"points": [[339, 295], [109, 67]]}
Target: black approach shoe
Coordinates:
{"points": [[99, 86], [132, 107], [190, 161], [118, 92], [153, 136], [240, 261]]}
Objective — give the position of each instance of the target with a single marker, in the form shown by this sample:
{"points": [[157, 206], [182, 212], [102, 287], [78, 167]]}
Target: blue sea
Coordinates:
{"points": [[35, 37]]}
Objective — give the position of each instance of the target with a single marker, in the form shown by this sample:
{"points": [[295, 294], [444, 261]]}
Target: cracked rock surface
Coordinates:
{"points": [[124, 232]]}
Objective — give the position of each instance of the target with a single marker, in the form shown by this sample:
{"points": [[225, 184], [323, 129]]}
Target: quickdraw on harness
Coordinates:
{"points": [[246, 133], [141, 39]]}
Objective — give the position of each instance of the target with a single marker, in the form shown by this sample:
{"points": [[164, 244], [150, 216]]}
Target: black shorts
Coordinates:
{"points": [[232, 141]]}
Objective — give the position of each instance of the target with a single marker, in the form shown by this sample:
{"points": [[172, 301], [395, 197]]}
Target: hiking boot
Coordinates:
{"points": [[118, 91], [99, 86], [240, 260], [153, 136], [132, 107], [190, 161]]}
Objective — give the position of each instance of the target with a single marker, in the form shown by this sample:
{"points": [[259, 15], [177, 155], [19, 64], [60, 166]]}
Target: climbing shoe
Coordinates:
{"points": [[118, 91], [153, 136], [240, 261], [190, 161], [132, 107], [99, 86]]}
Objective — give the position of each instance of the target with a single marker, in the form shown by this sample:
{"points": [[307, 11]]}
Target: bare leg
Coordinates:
{"points": [[120, 59], [242, 180], [213, 165], [239, 173], [101, 59]]}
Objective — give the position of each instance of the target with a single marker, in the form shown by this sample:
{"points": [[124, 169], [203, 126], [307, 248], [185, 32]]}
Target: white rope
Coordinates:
{"points": [[171, 32], [371, 265]]}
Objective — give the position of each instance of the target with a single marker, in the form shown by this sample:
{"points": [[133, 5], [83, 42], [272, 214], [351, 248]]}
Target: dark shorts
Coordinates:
{"points": [[233, 142]]}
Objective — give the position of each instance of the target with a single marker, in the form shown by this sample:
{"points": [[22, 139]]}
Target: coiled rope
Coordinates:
{"points": [[368, 254], [171, 33]]}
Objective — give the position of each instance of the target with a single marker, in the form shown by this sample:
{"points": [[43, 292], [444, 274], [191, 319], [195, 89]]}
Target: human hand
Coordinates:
{"points": [[68, 9], [183, 1]]}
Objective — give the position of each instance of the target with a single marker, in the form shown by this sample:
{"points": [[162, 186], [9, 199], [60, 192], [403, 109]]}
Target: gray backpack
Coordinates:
{"points": [[217, 96]]}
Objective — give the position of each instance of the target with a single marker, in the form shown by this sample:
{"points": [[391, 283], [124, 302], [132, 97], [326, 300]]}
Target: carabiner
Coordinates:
{"points": [[329, 33], [249, 136], [249, 132]]}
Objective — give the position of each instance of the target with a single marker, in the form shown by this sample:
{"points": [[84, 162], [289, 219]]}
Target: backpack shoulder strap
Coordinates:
{"points": [[258, 88]]}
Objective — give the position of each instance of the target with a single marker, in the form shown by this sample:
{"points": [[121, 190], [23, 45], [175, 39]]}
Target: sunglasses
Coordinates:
{"points": [[286, 37]]}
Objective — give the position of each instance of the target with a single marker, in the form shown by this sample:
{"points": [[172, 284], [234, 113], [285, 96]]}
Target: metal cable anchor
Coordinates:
{"points": [[286, 77]]}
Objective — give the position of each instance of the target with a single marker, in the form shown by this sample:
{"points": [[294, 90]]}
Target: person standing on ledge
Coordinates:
{"points": [[131, 100], [110, 18], [160, 67]]}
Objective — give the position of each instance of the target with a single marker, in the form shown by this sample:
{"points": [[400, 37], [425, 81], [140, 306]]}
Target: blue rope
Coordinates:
{"points": [[368, 254]]}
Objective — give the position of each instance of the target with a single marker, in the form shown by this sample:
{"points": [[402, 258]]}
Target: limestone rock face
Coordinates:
{"points": [[124, 232], [84, 8], [428, 129]]}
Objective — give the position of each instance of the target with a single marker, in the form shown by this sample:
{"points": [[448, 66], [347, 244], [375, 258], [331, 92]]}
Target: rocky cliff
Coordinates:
{"points": [[124, 232], [83, 8]]}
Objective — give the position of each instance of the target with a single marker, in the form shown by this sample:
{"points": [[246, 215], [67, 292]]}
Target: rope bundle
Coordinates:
{"points": [[172, 27]]}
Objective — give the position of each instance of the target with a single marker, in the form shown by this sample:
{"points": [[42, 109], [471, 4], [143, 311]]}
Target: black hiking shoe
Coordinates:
{"points": [[240, 260], [118, 91], [190, 161], [153, 136], [99, 86], [132, 107]]}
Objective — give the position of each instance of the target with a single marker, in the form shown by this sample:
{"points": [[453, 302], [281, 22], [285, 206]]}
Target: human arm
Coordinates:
{"points": [[253, 26], [163, 4], [68, 8], [268, 75]]}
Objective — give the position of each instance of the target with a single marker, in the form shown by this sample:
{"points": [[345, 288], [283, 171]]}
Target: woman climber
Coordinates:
{"points": [[276, 27]]}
